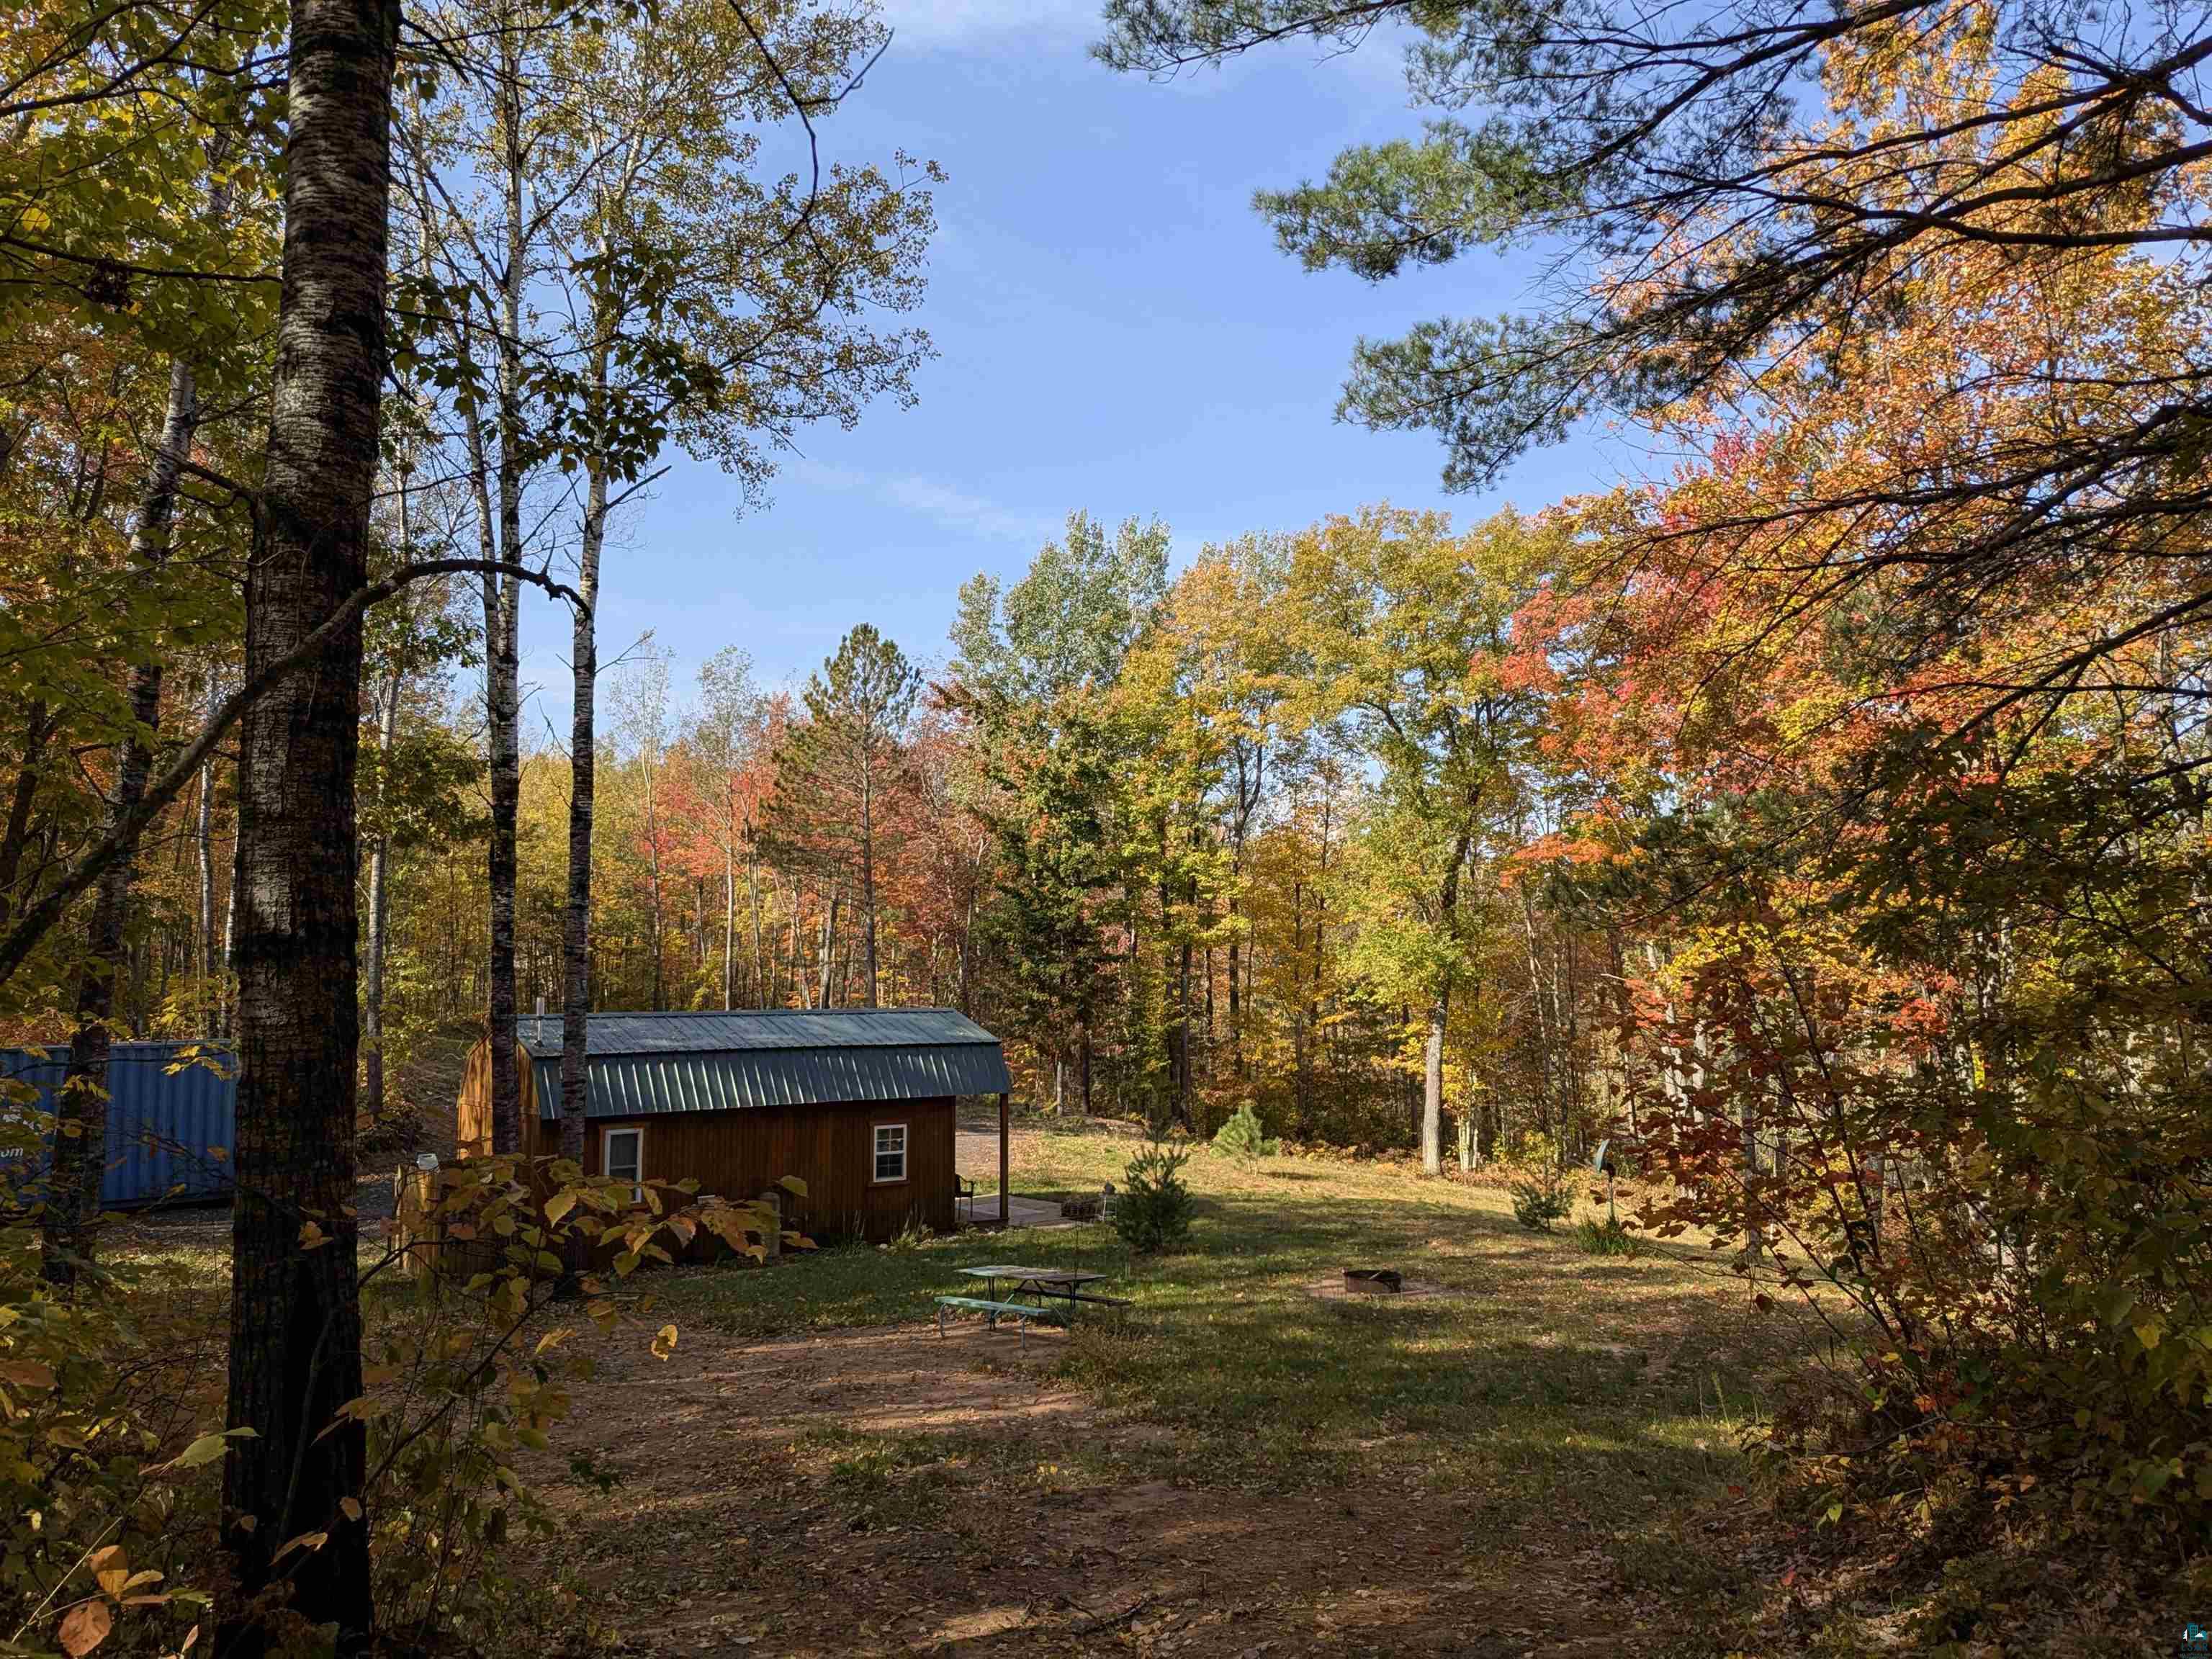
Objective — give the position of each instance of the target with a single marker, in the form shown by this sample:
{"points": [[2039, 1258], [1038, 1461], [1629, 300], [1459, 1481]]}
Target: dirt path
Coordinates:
{"points": [[887, 1490]]}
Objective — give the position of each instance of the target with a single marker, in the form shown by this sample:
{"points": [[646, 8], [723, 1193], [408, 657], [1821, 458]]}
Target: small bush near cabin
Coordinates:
{"points": [[1155, 1208]]}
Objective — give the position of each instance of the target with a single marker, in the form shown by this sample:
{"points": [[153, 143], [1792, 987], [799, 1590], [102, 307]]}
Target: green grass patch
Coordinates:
{"points": [[1544, 1385]]}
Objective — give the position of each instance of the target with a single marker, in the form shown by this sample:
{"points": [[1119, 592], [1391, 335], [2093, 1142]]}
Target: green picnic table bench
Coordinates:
{"points": [[1020, 1312]]}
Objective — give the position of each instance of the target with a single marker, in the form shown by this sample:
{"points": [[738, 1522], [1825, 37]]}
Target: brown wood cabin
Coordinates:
{"points": [[857, 1103]]}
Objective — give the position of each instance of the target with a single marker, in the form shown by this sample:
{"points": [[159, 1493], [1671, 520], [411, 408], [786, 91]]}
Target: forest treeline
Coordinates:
{"points": [[1149, 824], [1140, 822], [1823, 820]]}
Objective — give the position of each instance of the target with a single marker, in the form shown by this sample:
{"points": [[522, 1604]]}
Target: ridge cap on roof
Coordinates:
{"points": [[601, 1025]]}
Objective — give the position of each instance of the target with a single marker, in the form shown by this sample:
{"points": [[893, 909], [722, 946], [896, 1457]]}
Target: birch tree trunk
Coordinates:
{"points": [[502, 624], [583, 762], [380, 865], [380, 898], [500, 850], [296, 1307], [228, 959], [501, 700], [761, 996], [1432, 1068]]}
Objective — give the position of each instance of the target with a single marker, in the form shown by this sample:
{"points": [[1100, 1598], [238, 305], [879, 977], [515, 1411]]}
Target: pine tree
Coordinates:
{"points": [[1056, 862], [837, 770]]}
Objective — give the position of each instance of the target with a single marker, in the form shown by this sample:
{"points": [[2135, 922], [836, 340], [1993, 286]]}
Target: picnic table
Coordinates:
{"points": [[1060, 1283], [1041, 1285]]}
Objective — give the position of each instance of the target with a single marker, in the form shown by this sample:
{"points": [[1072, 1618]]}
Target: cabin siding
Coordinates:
{"points": [[739, 1155]]}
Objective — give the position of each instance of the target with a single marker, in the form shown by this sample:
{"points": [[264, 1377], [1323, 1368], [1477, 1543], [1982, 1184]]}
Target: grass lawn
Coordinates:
{"points": [[1552, 1412], [1533, 1456]]}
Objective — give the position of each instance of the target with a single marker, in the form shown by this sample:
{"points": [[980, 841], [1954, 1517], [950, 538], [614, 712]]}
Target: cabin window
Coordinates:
{"points": [[890, 1151], [622, 1156]]}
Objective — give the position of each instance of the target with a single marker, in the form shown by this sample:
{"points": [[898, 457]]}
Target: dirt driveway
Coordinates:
{"points": [[888, 1491]]}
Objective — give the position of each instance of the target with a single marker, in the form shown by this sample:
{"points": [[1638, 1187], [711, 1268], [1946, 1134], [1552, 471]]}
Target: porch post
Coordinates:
{"points": [[1005, 1209]]}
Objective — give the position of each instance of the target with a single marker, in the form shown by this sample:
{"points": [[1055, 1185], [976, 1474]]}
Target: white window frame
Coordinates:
{"points": [[877, 1152], [606, 1155]]}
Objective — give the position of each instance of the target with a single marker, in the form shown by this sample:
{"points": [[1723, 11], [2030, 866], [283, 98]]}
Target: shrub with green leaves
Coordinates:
{"points": [[1154, 1212], [111, 1455], [1243, 1136], [1606, 1237], [110, 1464]]}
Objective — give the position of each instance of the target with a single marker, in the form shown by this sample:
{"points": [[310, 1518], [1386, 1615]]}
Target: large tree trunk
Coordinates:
{"points": [[81, 1129], [39, 727], [204, 835], [499, 856], [294, 1308], [504, 593], [583, 763], [502, 701]]}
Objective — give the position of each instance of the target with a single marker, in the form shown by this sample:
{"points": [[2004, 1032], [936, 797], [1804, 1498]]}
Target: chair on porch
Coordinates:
{"points": [[965, 1196]]}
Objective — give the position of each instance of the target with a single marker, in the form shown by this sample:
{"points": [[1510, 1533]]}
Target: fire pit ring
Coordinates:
{"points": [[1373, 1281]]}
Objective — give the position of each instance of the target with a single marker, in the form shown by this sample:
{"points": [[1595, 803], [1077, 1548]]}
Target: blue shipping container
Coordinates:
{"points": [[170, 1125]]}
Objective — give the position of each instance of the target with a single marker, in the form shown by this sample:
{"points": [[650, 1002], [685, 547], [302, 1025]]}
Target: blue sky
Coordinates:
{"points": [[1116, 331]]}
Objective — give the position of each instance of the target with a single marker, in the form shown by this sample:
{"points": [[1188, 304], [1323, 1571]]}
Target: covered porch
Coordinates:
{"points": [[985, 1161]]}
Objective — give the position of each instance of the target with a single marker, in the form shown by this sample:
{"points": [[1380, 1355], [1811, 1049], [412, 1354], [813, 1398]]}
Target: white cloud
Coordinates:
{"points": [[929, 24], [945, 505], [958, 510]]}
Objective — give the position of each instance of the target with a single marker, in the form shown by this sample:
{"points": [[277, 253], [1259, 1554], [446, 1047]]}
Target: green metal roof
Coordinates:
{"points": [[643, 1063]]}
